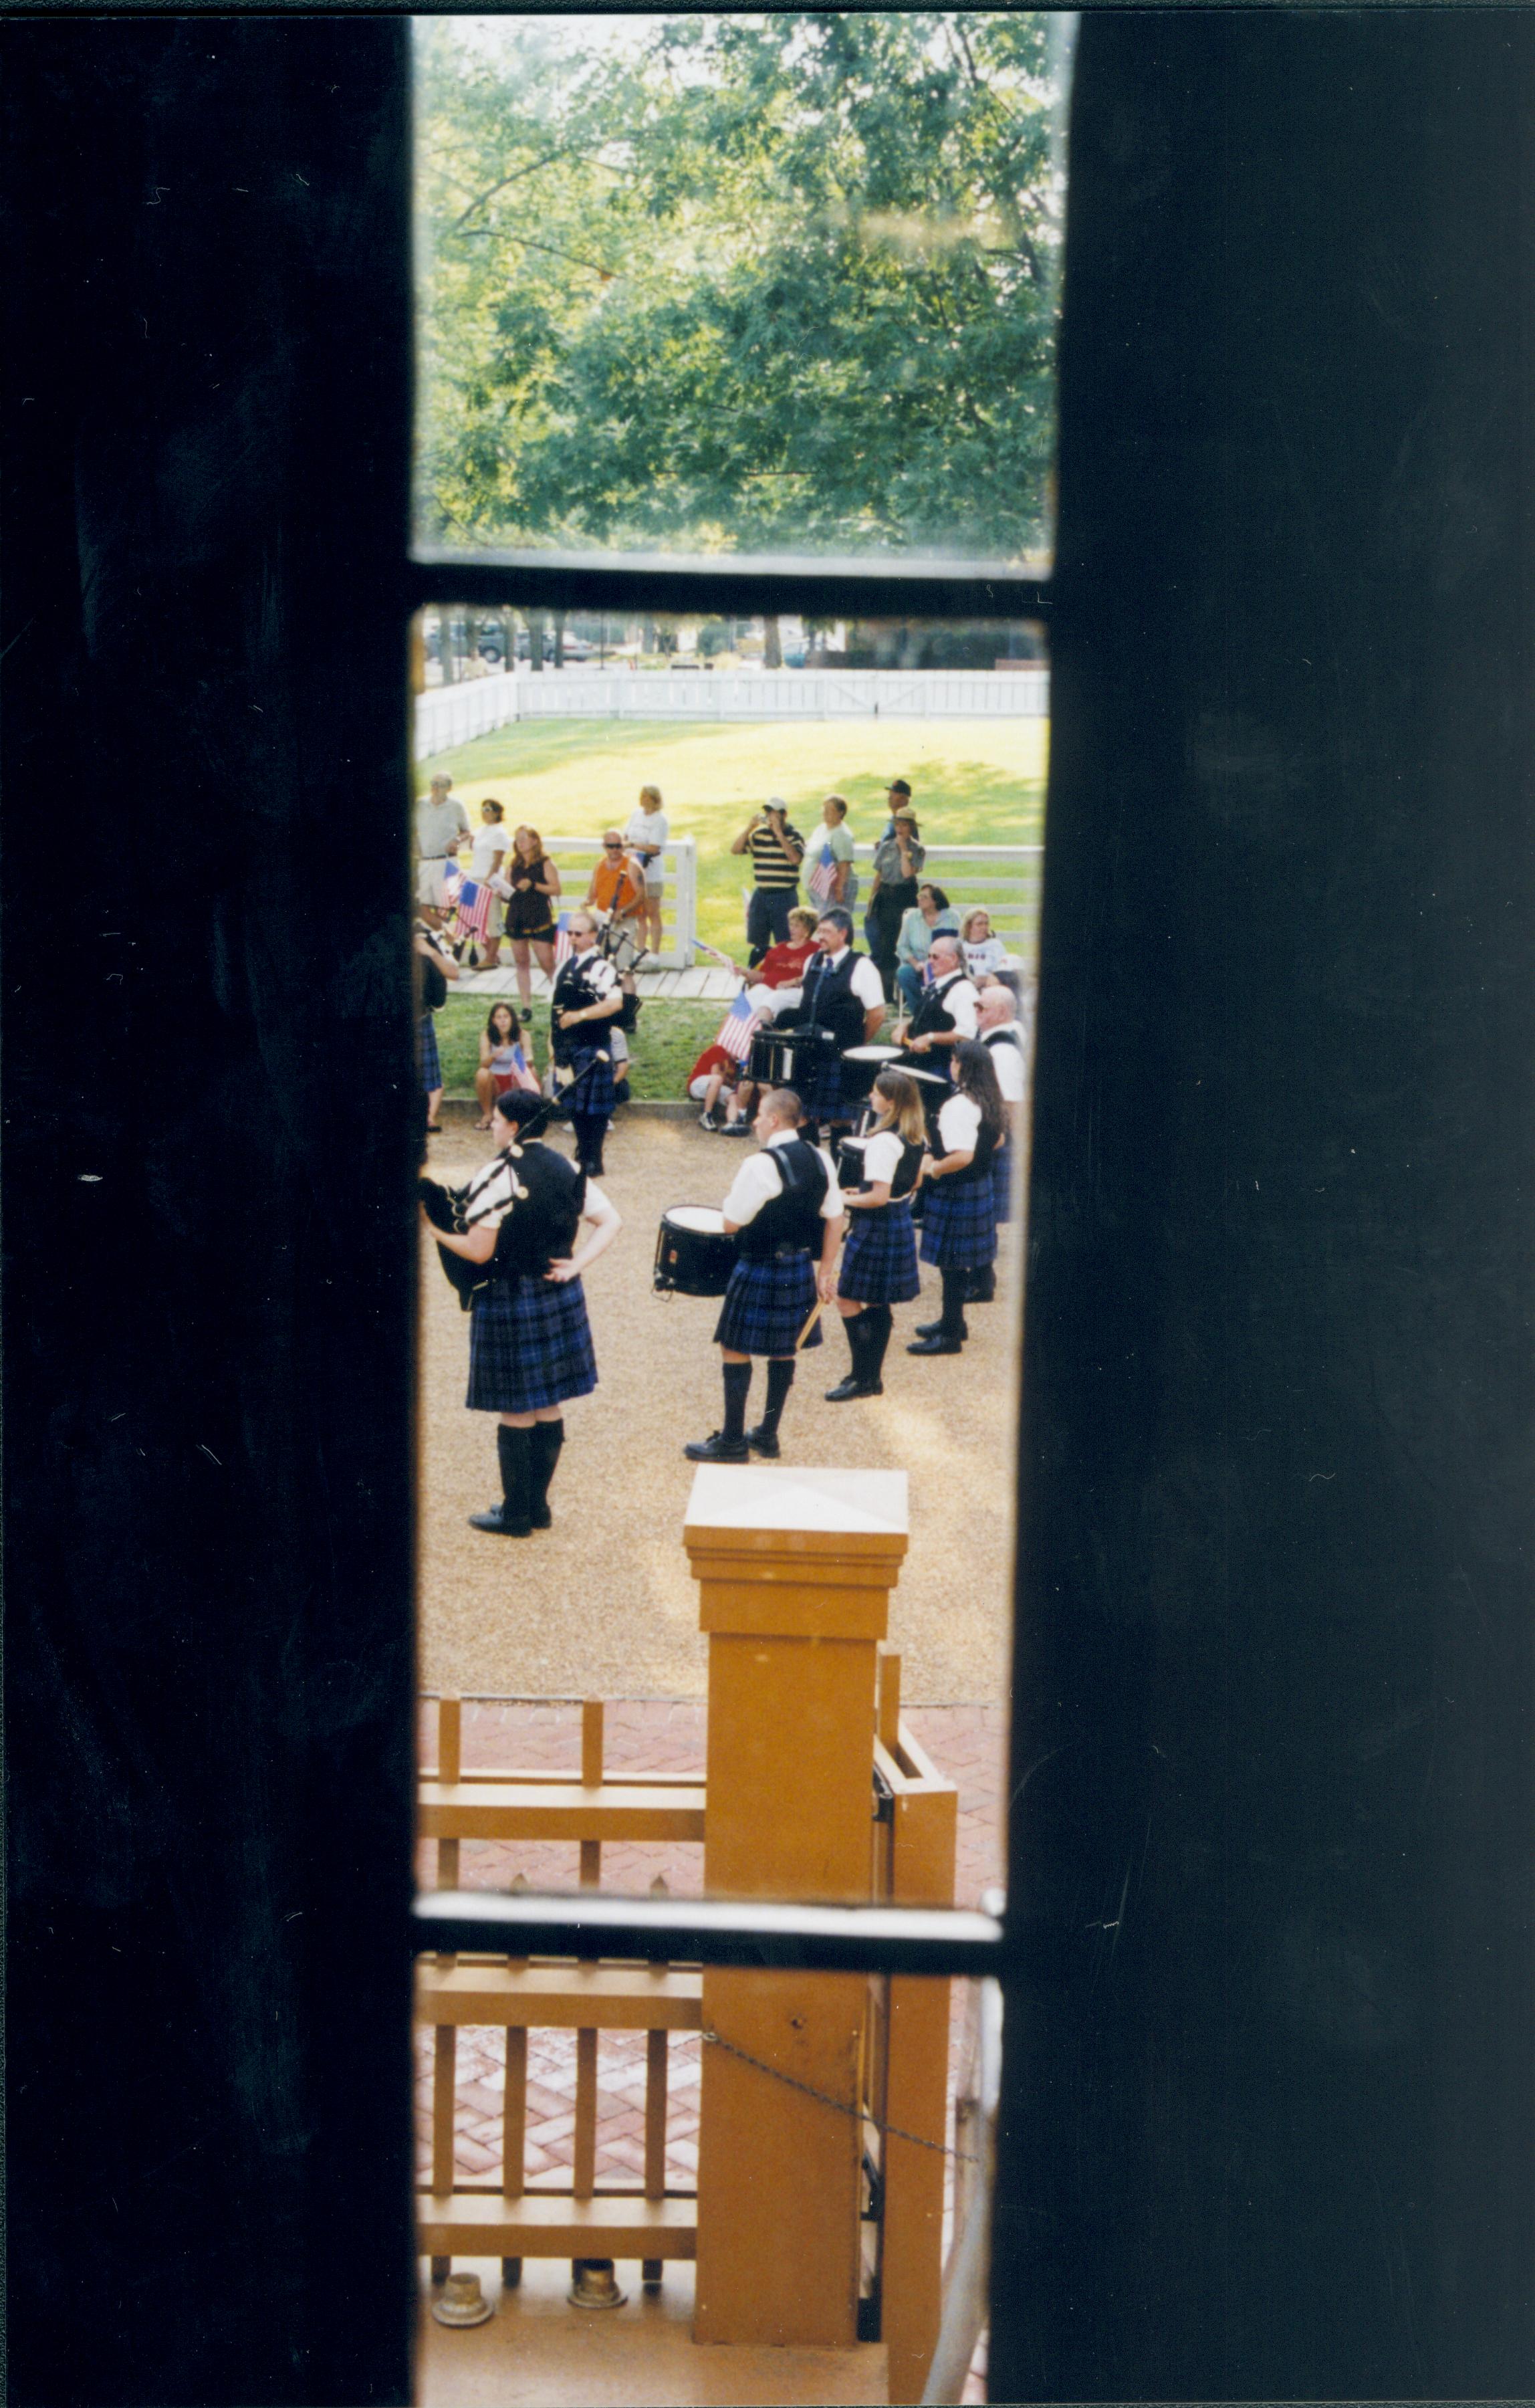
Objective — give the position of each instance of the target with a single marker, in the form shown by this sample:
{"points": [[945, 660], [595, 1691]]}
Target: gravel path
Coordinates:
{"points": [[603, 1604]]}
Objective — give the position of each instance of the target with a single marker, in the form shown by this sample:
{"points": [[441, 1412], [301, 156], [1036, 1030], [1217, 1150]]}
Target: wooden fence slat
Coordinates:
{"points": [[655, 2134], [514, 2134], [585, 2150]]}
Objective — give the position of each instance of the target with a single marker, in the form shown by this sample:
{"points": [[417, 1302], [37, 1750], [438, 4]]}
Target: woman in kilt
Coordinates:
{"points": [[530, 1345], [959, 1219], [586, 1001], [880, 1260], [437, 968], [785, 1209]]}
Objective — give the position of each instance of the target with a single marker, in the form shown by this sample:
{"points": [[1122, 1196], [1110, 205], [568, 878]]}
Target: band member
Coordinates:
{"points": [[880, 1259], [437, 971], [530, 1346], [997, 1015], [959, 1226], [586, 998], [945, 1017], [843, 995], [786, 1208]]}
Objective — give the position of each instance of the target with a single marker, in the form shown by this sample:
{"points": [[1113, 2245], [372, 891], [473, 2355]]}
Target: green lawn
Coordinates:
{"points": [[974, 782]]}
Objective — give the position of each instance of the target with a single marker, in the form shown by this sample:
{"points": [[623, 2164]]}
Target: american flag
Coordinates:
{"points": [[453, 879], [471, 908], [823, 879], [738, 1028], [562, 942]]}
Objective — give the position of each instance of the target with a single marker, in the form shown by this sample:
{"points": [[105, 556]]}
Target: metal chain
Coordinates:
{"points": [[840, 2106]]}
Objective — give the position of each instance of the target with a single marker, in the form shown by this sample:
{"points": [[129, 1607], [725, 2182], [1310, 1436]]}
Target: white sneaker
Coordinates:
{"points": [[708, 1121]]}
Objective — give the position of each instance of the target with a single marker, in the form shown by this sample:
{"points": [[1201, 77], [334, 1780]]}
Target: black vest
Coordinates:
{"points": [[542, 1223], [829, 1001], [792, 1218], [905, 1174], [1006, 1035], [932, 1016], [979, 1166], [574, 991]]}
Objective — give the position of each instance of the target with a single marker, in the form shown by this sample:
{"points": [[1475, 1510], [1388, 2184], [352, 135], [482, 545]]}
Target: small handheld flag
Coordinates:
{"points": [[738, 1028], [562, 942]]}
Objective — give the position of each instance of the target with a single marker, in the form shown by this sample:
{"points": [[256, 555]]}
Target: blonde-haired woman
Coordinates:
{"points": [[880, 1259], [535, 885], [984, 953], [646, 838]]}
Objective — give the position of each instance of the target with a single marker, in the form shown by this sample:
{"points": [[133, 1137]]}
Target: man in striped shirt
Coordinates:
{"points": [[777, 850]]}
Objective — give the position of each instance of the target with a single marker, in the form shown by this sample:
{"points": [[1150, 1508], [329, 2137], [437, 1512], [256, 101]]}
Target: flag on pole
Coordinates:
{"points": [[472, 908], [562, 942], [823, 878], [738, 1028], [452, 878]]}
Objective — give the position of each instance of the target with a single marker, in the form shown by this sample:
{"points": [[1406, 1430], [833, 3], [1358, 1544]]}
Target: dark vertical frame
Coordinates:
{"points": [[209, 1107], [1269, 2091]]}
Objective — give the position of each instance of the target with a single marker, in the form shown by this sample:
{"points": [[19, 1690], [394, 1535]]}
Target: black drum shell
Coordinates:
{"points": [[861, 1067], [850, 1163], [691, 1262]]}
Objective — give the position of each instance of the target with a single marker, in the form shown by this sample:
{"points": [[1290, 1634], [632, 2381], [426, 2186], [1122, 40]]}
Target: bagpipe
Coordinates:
{"points": [[449, 1208]]}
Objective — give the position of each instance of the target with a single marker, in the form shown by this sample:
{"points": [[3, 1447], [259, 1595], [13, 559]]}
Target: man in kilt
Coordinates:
{"points": [[785, 1209], [1003, 1041], [842, 1004], [959, 1223], [530, 1345], [880, 1260], [587, 999]]}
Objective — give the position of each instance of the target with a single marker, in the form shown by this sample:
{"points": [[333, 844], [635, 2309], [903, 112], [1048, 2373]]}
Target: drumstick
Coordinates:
{"points": [[811, 1320]]}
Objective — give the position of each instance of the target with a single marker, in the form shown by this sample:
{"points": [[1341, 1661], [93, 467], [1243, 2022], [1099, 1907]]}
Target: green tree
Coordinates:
{"points": [[737, 283]]}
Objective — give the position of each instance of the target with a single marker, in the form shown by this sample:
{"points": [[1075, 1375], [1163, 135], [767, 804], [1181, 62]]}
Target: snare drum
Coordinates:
{"points": [[693, 1257], [934, 1091], [850, 1174], [861, 1067], [774, 1052]]}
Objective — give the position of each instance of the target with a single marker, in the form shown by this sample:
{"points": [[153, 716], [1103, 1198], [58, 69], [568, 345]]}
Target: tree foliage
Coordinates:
{"points": [[733, 282]]}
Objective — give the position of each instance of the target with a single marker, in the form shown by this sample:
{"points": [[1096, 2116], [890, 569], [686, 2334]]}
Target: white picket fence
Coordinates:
{"points": [[448, 716]]}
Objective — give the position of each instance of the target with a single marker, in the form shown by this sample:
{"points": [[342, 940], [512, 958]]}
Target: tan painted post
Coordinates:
{"points": [[921, 1858], [795, 1569]]}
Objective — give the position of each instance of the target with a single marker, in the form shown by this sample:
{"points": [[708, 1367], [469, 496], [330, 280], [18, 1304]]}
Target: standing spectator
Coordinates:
{"points": [[983, 950], [933, 916], [897, 861], [535, 885], [487, 853], [442, 824], [777, 849], [615, 892], [833, 878], [646, 836]]}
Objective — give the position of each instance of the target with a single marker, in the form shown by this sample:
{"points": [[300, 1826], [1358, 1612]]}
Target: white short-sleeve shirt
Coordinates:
{"points": [[866, 984], [756, 1182], [488, 842], [648, 831], [1008, 1063], [959, 1124], [881, 1157]]}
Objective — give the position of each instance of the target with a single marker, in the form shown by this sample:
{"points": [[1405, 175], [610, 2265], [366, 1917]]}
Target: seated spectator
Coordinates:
{"points": [[615, 891], [983, 950], [717, 1073], [504, 1061], [934, 916], [776, 980]]}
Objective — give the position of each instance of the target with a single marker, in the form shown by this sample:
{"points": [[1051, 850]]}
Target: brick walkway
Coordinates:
{"points": [[666, 1738]]}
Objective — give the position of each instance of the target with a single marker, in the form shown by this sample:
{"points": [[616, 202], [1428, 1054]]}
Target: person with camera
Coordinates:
{"points": [[530, 1342], [777, 849]]}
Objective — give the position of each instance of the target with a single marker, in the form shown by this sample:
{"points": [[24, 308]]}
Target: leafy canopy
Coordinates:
{"points": [[737, 283]]}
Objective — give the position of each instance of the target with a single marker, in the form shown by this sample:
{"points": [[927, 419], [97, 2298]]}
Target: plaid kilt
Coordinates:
{"points": [[1001, 1181], [529, 1345], [594, 1097], [767, 1306], [880, 1259], [820, 1089], [428, 1063], [959, 1226]]}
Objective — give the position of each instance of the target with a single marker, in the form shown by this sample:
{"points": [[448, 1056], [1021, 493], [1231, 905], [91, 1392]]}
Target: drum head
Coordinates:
{"points": [[703, 1217], [881, 1053]]}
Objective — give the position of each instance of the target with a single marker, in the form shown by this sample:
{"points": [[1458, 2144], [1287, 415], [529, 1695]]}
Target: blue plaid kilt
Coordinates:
{"points": [[529, 1345], [1001, 1181], [766, 1307], [821, 1089], [880, 1259], [428, 1063], [959, 1226], [594, 1097]]}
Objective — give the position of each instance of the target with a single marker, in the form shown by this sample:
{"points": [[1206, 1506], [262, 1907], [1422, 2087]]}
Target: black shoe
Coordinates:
{"points": [[935, 1330], [936, 1345], [718, 1449], [764, 1442], [851, 1387], [501, 1525]]}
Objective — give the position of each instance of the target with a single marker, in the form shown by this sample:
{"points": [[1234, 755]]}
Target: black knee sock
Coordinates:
{"points": [[951, 1320], [513, 1448], [588, 1129], [548, 1438], [737, 1381], [781, 1379], [854, 1330], [876, 1319]]}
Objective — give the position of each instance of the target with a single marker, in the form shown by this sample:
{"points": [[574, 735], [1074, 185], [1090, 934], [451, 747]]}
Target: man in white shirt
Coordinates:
{"points": [[844, 995], [947, 1013], [646, 838], [785, 1209], [441, 823], [996, 1016]]}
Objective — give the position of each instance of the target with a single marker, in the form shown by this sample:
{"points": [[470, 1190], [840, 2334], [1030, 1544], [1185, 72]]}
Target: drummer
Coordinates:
{"points": [[946, 1016], [997, 1015], [786, 1209], [880, 1260], [843, 994]]}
